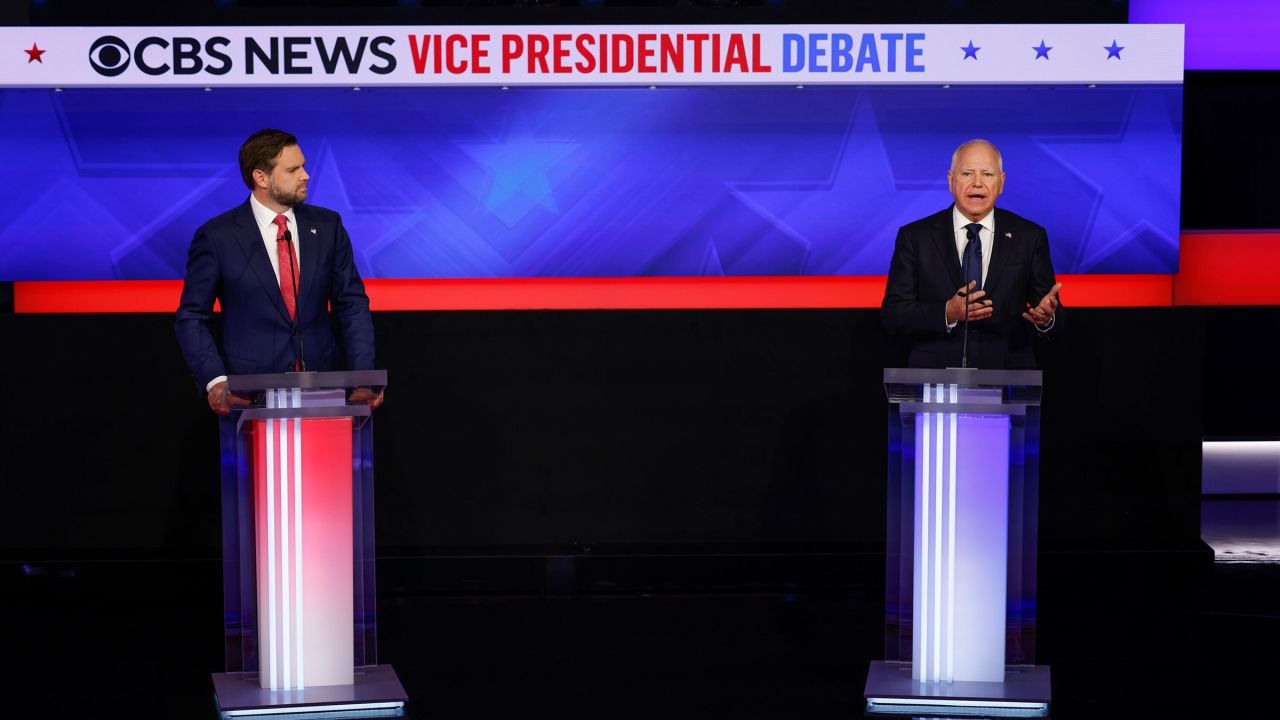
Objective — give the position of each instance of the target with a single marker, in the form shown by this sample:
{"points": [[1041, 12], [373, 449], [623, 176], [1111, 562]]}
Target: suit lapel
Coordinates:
{"points": [[1001, 248], [944, 239], [249, 237], [308, 248]]}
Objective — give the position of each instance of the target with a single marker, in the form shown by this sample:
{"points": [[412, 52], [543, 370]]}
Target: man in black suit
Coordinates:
{"points": [[975, 262]]}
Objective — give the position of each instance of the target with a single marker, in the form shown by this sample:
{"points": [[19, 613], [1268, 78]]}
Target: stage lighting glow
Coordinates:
{"points": [[1222, 35]]}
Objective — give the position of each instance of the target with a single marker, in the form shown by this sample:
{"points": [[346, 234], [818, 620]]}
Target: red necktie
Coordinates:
{"points": [[288, 263]]}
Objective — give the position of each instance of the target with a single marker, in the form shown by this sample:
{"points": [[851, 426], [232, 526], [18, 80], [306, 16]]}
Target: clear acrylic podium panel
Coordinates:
{"points": [[279, 401], [999, 410]]}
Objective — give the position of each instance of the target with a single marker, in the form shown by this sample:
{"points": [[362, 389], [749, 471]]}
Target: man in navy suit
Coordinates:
{"points": [[975, 262], [284, 276]]}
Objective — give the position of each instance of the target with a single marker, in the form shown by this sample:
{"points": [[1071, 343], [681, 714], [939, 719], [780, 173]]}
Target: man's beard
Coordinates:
{"points": [[286, 199]]}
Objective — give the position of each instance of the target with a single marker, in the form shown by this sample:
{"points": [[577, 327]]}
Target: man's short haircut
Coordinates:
{"points": [[978, 141], [260, 151]]}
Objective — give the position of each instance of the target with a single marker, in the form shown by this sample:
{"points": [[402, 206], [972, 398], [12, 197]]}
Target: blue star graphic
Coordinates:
{"points": [[517, 169], [843, 224], [1042, 51], [1113, 51], [1133, 222], [970, 51]]}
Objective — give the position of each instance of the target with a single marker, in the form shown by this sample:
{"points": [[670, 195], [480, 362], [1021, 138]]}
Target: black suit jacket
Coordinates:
{"points": [[925, 273]]}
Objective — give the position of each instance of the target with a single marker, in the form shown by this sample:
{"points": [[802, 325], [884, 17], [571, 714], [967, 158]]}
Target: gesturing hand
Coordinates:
{"points": [[1042, 313], [967, 299]]}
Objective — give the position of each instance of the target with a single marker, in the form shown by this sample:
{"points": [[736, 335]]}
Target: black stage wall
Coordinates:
{"points": [[633, 433]]}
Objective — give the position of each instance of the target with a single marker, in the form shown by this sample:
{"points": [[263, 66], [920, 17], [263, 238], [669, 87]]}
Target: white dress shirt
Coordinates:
{"points": [[266, 221]]}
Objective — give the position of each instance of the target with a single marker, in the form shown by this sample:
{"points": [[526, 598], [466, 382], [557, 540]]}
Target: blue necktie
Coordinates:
{"points": [[972, 265]]}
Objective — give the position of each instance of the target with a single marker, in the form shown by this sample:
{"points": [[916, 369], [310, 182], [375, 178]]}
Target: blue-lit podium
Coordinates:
{"points": [[961, 550]]}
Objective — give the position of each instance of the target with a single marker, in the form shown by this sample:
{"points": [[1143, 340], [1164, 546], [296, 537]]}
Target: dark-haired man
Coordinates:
{"points": [[972, 261], [284, 275]]}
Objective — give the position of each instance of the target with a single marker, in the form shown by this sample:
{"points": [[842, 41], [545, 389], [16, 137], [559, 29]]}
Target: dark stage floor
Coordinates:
{"points": [[1128, 635]]}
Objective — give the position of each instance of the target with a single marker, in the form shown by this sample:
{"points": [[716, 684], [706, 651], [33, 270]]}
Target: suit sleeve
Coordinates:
{"points": [[350, 305], [902, 311], [200, 288], [1043, 279]]}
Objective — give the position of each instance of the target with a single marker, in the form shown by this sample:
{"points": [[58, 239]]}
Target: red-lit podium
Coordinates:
{"points": [[298, 549]]}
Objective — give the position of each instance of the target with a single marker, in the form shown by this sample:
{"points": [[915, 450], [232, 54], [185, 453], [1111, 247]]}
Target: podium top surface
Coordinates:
{"points": [[906, 385], [340, 380], [304, 394]]}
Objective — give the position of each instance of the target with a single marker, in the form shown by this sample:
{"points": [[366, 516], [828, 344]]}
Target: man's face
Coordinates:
{"points": [[287, 182], [976, 181]]}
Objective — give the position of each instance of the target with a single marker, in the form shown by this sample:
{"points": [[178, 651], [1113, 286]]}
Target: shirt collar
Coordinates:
{"points": [[958, 221], [266, 217]]}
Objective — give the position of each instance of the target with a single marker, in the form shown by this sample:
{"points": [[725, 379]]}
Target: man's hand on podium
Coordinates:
{"points": [[222, 400], [366, 395]]}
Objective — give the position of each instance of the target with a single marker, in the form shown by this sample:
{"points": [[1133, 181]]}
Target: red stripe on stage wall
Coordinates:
{"points": [[1117, 290], [96, 296], [123, 296], [1236, 268], [628, 293], [1229, 268]]}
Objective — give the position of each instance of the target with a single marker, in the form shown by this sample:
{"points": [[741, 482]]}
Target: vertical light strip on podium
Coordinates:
{"points": [[287, 679], [919, 604], [951, 538], [297, 535], [269, 658], [282, 665], [961, 531], [934, 611]]}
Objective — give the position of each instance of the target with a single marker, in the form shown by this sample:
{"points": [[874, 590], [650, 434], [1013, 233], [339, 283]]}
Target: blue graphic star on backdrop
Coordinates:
{"points": [[970, 51], [1124, 226], [1113, 50], [1042, 51], [846, 222], [517, 168]]}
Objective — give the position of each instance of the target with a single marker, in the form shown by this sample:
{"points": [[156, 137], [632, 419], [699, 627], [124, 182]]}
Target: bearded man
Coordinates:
{"points": [[284, 276]]}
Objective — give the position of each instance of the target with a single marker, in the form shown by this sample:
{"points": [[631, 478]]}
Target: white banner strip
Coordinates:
{"points": [[589, 55]]}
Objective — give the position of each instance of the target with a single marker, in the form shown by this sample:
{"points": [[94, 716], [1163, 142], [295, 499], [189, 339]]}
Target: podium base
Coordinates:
{"points": [[376, 693], [891, 691]]}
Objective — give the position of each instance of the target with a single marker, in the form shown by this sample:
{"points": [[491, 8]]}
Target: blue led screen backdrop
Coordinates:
{"points": [[589, 182]]}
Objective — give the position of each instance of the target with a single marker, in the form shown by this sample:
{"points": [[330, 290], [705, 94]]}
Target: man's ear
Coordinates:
{"points": [[260, 178]]}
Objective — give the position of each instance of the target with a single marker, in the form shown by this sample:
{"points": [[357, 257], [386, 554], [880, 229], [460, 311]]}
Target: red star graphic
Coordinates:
{"points": [[34, 54]]}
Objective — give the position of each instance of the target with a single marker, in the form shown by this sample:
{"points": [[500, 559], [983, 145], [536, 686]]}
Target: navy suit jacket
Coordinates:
{"points": [[925, 273], [228, 262]]}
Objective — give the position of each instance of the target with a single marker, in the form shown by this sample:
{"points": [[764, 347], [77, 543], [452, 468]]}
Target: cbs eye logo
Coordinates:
{"points": [[109, 56]]}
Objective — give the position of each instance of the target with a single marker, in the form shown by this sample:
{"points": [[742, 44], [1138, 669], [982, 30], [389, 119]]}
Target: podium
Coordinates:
{"points": [[961, 547], [298, 549]]}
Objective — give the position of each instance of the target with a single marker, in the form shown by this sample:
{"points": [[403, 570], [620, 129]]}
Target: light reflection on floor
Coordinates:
{"points": [[1242, 530]]}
